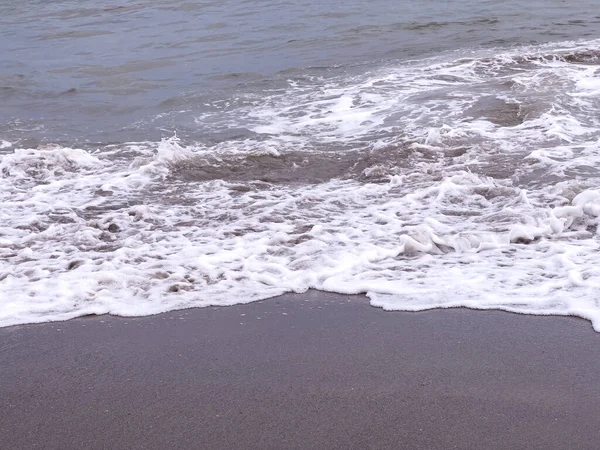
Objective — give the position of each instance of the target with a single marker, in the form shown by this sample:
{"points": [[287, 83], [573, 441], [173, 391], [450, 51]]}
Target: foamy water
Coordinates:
{"points": [[468, 179]]}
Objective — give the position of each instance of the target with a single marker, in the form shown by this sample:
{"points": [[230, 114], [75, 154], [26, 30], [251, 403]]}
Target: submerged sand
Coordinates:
{"points": [[309, 371]]}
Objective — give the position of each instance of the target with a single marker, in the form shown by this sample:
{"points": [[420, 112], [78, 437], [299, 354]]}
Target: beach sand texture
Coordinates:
{"points": [[308, 371]]}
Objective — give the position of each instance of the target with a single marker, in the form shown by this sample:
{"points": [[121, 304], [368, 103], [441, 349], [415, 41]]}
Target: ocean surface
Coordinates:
{"points": [[157, 155]]}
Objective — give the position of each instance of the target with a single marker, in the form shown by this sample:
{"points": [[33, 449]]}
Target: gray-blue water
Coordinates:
{"points": [[157, 155], [116, 71]]}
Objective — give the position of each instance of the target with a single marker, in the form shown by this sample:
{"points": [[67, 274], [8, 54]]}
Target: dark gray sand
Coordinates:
{"points": [[311, 371]]}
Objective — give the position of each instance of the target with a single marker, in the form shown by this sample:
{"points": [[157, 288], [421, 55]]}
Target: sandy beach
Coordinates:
{"points": [[164, 164], [310, 371]]}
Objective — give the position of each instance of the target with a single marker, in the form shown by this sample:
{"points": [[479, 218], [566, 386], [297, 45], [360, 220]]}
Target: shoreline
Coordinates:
{"points": [[314, 370]]}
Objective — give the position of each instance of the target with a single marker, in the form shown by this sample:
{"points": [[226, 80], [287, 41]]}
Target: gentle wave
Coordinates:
{"points": [[470, 181]]}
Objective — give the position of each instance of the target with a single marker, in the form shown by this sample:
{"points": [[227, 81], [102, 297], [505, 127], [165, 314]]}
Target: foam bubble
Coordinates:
{"points": [[475, 184]]}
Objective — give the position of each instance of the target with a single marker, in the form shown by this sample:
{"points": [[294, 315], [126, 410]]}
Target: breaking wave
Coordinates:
{"points": [[465, 181]]}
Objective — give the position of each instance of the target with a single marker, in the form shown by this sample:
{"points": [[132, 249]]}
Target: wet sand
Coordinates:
{"points": [[310, 371]]}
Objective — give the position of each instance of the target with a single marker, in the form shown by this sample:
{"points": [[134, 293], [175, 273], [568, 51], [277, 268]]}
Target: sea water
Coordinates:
{"points": [[157, 155]]}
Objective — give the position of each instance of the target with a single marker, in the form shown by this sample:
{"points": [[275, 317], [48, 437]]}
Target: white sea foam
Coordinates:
{"points": [[490, 200]]}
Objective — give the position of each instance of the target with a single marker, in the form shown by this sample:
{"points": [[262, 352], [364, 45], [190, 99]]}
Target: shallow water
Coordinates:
{"points": [[162, 155], [114, 71]]}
